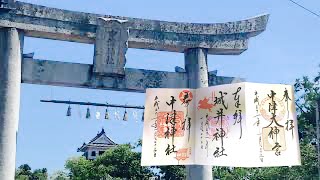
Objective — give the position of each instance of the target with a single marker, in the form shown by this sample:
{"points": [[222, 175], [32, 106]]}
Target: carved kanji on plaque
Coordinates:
{"points": [[110, 47]]}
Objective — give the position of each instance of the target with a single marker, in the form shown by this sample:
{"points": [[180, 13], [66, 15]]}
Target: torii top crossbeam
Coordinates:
{"points": [[52, 23], [112, 35]]}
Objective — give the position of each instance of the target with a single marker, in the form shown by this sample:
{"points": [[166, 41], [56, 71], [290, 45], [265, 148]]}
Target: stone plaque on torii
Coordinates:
{"points": [[111, 36]]}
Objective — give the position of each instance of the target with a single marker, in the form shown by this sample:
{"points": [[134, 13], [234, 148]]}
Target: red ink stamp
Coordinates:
{"points": [[164, 124], [266, 114], [204, 104], [182, 154], [185, 96], [214, 125]]}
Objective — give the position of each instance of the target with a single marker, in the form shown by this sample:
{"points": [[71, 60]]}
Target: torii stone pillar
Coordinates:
{"points": [[10, 79], [197, 74]]}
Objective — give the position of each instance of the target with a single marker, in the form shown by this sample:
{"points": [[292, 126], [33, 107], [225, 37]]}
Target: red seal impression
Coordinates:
{"points": [[204, 104], [185, 96], [214, 125], [182, 154], [266, 114], [165, 127]]}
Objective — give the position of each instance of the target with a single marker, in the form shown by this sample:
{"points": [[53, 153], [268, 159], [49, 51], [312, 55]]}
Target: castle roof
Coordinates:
{"points": [[101, 140]]}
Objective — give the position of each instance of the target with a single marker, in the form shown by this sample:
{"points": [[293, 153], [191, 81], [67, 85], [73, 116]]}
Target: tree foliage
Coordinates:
{"points": [[173, 172], [119, 162], [24, 173], [307, 92], [308, 169], [59, 175]]}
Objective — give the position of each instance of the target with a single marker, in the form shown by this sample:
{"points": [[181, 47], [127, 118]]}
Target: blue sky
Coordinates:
{"points": [[288, 49]]}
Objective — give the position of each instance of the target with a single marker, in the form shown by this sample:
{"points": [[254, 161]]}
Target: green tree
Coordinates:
{"points": [[168, 172], [308, 169], [40, 174], [122, 162], [59, 175], [119, 162], [81, 169], [307, 92], [24, 173], [173, 172]]}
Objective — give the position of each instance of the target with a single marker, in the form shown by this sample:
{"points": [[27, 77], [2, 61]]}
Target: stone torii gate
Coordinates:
{"points": [[111, 36]]}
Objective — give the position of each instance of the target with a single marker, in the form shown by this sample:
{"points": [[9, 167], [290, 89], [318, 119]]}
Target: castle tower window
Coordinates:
{"points": [[93, 153]]}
